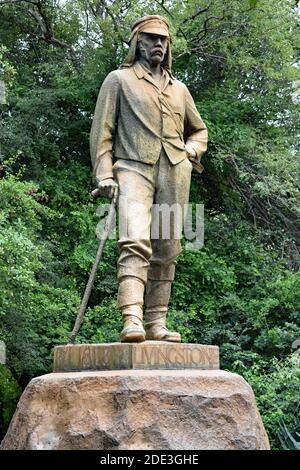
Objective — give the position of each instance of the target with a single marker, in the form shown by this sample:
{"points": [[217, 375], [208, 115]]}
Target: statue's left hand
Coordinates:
{"points": [[191, 153]]}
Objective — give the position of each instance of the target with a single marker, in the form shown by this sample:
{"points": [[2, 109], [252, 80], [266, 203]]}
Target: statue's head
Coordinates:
{"points": [[152, 47], [150, 38]]}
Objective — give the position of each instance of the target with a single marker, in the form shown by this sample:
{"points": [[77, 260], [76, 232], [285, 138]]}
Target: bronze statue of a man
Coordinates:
{"points": [[145, 134]]}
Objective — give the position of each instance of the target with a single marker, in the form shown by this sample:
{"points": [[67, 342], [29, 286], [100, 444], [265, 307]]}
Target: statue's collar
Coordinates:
{"points": [[141, 72]]}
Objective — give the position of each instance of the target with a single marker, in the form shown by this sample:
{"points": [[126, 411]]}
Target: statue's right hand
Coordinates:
{"points": [[105, 188]]}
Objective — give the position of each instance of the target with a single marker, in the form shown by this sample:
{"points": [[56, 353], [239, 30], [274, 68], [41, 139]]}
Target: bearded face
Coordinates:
{"points": [[152, 47]]}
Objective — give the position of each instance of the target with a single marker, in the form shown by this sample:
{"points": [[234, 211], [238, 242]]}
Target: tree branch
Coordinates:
{"points": [[192, 17], [165, 9], [45, 30], [11, 2]]}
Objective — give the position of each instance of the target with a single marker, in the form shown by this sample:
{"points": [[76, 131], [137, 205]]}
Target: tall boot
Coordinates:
{"points": [[130, 301], [157, 299]]}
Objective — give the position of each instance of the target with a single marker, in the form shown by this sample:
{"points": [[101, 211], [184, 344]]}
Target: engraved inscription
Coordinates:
{"points": [[173, 356], [135, 356]]}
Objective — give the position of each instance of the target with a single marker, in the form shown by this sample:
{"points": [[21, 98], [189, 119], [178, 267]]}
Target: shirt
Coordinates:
{"points": [[134, 118]]}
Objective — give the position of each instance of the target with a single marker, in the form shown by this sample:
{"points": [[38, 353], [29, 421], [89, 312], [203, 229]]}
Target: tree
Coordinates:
{"points": [[241, 291]]}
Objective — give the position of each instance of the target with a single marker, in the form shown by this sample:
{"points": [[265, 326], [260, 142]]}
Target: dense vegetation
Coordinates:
{"points": [[242, 290]]}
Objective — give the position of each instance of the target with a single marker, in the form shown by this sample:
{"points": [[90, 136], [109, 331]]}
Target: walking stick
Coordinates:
{"points": [[90, 283]]}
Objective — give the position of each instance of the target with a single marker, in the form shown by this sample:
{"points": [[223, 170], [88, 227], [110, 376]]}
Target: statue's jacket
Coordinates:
{"points": [[134, 118]]}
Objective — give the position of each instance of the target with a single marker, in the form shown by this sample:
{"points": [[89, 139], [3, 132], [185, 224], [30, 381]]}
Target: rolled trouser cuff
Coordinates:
{"points": [[159, 272], [131, 291], [132, 271]]}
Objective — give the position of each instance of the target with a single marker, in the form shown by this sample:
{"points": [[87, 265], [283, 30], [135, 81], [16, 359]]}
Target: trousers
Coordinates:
{"points": [[149, 243]]}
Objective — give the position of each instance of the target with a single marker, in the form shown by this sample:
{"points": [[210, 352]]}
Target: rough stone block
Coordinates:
{"points": [[137, 409]]}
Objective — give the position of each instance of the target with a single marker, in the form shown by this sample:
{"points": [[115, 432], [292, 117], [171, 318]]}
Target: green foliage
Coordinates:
{"points": [[241, 291], [10, 392], [32, 298], [237, 293], [276, 386], [290, 441], [102, 324]]}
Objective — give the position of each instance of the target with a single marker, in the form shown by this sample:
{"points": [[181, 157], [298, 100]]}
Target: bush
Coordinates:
{"points": [[276, 386]]}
